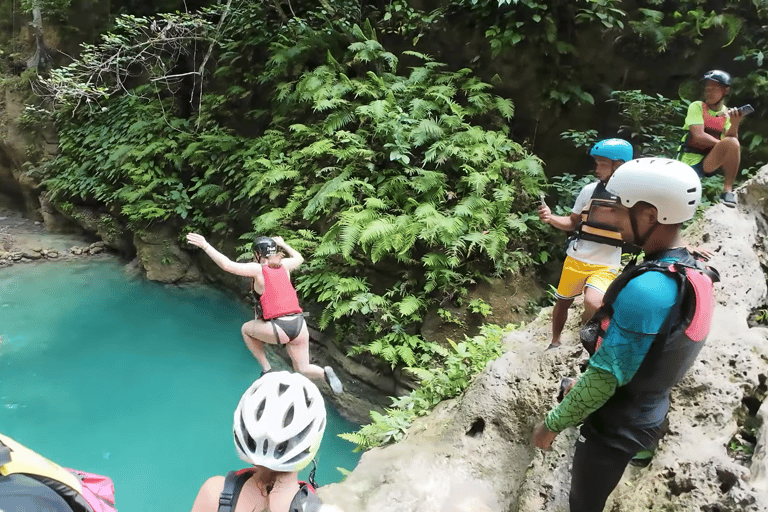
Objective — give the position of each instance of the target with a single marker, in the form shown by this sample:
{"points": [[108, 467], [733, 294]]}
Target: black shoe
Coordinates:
{"points": [[728, 199], [333, 380]]}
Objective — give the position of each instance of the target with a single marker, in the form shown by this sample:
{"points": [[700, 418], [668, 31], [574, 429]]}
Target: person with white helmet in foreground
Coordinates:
{"points": [[654, 321], [278, 426], [593, 256]]}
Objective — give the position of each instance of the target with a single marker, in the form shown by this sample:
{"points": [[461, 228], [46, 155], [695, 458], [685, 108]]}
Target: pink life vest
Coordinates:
{"points": [[279, 297], [713, 125]]}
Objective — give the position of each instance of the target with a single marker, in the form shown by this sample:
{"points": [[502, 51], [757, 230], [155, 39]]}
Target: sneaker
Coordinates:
{"points": [[728, 199], [333, 380]]}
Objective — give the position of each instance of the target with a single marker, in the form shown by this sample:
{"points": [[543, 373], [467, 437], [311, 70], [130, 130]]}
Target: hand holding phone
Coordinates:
{"points": [[746, 109]]}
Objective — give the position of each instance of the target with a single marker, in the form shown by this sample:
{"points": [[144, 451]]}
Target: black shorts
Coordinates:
{"points": [[699, 168]]}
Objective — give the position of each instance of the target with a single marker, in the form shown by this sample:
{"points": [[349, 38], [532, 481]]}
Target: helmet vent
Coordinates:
{"points": [[691, 190], [264, 447], [239, 446], [280, 449], [307, 398], [298, 458], [260, 410], [282, 388], [301, 435], [288, 417], [250, 443], [692, 202]]}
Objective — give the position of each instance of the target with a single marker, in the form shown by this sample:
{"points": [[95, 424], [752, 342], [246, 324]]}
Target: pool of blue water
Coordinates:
{"points": [[108, 373]]}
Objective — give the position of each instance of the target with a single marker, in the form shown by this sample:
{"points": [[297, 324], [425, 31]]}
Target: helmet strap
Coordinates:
{"points": [[638, 240]]}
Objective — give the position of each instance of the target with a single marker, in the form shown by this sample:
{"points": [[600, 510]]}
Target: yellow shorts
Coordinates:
{"points": [[577, 275]]}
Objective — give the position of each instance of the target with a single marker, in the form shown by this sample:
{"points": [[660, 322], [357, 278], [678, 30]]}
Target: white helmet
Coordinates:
{"points": [[671, 186], [279, 422]]}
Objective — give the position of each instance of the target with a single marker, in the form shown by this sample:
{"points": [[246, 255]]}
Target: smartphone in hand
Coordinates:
{"points": [[746, 109]]}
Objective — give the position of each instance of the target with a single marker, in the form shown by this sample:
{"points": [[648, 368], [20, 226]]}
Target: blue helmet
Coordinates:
{"points": [[613, 149]]}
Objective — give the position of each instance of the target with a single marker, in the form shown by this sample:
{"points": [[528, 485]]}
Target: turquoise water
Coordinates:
{"points": [[114, 375]]}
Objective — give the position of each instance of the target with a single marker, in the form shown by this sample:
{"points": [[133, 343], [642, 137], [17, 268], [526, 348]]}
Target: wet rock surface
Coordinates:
{"points": [[24, 240]]}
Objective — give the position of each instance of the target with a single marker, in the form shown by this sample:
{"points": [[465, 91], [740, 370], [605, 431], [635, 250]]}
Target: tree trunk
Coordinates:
{"points": [[40, 58]]}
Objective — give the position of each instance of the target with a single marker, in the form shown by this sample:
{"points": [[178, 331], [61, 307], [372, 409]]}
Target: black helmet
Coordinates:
{"points": [[264, 247], [718, 76]]}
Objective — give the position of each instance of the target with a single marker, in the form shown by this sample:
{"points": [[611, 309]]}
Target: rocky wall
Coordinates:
{"points": [[474, 453]]}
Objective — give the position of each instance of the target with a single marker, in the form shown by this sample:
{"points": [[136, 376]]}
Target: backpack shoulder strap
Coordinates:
{"points": [[233, 484]]}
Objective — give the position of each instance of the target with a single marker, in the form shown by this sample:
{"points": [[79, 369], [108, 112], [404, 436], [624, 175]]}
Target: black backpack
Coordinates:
{"points": [[682, 311]]}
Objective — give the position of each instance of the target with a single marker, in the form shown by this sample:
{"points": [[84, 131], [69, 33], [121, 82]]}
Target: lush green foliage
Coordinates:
{"points": [[402, 187], [457, 366], [653, 124]]}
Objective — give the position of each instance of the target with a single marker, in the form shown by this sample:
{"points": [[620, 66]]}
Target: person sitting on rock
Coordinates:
{"points": [[278, 426], [279, 318], [593, 257], [654, 321], [711, 142]]}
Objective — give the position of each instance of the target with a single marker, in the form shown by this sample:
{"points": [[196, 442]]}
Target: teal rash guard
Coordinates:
{"points": [[638, 313]]}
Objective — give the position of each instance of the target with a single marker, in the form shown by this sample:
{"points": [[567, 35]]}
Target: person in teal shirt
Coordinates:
{"points": [[623, 397], [711, 142]]}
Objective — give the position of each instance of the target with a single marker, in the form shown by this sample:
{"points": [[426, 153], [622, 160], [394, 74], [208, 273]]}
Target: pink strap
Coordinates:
{"points": [[98, 491], [705, 305]]}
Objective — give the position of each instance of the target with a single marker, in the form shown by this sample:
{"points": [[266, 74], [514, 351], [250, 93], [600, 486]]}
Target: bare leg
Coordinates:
{"points": [[298, 350], [593, 299], [255, 334], [725, 154], [559, 316]]}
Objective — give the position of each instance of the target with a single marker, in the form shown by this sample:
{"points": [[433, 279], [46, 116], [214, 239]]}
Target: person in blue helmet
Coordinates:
{"points": [[654, 322], [711, 142], [593, 257]]}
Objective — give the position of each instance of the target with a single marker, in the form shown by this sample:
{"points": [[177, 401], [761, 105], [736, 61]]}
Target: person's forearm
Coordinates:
{"points": [[704, 141], [590, 392], [291, 252], [562, 223], [733, 131]]}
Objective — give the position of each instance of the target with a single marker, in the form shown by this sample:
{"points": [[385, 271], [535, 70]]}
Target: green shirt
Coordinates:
{"points": [[694, 117]]}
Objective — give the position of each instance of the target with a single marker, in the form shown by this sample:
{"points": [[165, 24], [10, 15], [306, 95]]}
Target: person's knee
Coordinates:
{"points": [[731, 144], [593, 300]]}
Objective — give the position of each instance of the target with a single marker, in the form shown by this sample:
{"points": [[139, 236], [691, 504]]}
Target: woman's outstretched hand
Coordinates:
{"points": [[198, 240]]}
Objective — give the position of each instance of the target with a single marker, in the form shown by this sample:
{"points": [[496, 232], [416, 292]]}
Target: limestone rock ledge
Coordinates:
{"points": [[474, 452], [162, 259]]}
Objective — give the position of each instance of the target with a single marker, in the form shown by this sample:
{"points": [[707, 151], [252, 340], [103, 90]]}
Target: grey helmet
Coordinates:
{"points": [[264, 247], [719, 76]]}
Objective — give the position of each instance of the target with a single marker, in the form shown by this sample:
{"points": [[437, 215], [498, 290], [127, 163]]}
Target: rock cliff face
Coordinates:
{"points": [[474, 452]]}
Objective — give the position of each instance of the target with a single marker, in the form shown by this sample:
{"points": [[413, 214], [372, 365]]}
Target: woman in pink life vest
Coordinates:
{"points": [[278, 318]]}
